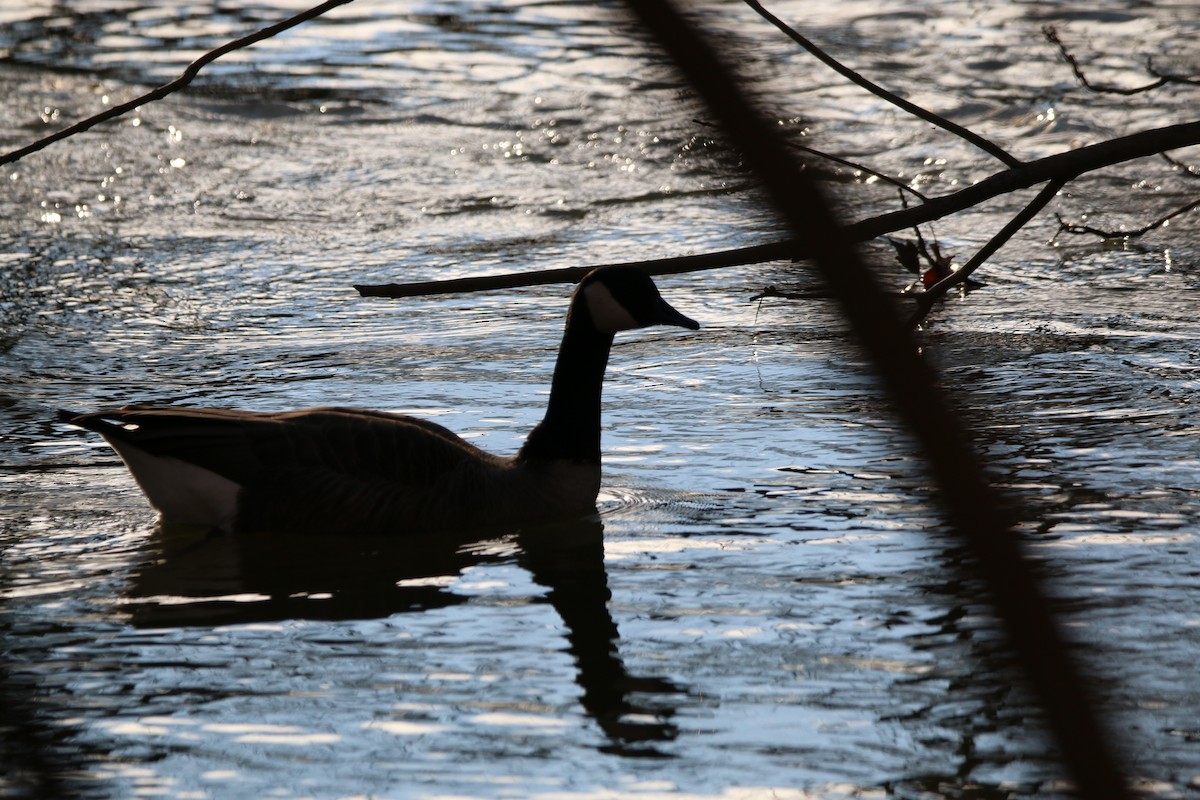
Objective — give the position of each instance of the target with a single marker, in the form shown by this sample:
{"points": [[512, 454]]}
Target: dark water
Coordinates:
{"points": [[791, 623]]}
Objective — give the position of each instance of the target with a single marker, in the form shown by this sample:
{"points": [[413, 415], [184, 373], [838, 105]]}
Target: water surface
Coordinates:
{"points": [[791, 621]]}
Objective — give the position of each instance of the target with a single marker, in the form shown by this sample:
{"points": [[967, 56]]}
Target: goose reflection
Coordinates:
{"points": [[204, 579]]}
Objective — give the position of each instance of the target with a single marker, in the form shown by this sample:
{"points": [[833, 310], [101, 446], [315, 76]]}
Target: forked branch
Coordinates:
{"points": [[1062, 167], [926, 299], [186, 77], [1076, 228], [1161, 78], [989, 147]]}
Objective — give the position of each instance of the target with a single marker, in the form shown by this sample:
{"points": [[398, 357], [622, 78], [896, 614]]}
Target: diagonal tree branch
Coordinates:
{"points": [[986, 145], [926, 299], [183, 80]]}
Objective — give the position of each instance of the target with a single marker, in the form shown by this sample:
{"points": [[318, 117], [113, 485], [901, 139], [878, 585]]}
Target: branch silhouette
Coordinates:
{"points": [[1107, 233], [1061, 167], [989, 147], [186, 77], [926, 299], [1162, 78]]}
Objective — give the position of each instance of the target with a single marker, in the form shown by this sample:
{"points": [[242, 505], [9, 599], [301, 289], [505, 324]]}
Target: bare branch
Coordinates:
{"points": [[1062, 166], [775, 291], [1051, 35], [989, 147], [1187, 169], [183, 80], [757, 254], [1169, 77], [1071, 227], [926, 300], [845, 162]]}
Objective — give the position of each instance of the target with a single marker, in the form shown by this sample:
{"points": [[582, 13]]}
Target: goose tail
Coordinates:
{"points": [[92, 422], [181, 492], [68, 417]]}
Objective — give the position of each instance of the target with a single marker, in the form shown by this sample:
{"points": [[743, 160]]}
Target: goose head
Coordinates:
{"points": [[623, 298], [606, 301]]}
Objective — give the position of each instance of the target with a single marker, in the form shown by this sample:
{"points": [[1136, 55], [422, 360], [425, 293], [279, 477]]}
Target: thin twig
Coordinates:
{"points": [[926, 299], [1169, 77], [775, 291], [1065, 166], [1187, 169], [989, 147], [1051, 35], [972, 506], [845, 162], [183, 80], [1075, 228]]}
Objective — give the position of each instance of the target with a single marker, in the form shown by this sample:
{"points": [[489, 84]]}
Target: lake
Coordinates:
{"points": [[767, 605]]}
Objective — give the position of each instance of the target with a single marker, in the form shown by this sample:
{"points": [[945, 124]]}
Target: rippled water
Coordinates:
{"points": [[790, 621]]}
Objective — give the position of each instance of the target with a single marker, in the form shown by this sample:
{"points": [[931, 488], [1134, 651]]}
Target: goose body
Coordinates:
{"points": [[349, 469]]}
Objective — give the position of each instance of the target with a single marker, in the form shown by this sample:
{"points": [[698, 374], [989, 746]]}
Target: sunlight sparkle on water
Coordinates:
{"points": [[392, 143]]}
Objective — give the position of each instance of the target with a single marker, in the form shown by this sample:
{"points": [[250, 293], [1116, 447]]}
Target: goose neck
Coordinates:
{"points": [[571, 428]]}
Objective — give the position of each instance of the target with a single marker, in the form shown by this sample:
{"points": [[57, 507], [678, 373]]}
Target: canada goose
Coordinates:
{"points": [[348, 469]]}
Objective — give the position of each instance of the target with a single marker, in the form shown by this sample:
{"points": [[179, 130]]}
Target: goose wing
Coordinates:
{"points": [[246, 446]]}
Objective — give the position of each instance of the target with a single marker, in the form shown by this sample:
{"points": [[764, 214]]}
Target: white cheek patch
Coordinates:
{"points": [[607, 314]]}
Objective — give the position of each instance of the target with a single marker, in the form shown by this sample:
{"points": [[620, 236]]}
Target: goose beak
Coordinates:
{"points": [[669, 316]]}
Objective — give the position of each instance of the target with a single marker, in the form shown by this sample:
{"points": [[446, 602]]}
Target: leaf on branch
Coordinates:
{"points": [[939, 266], [911, 253], [908, 254]]}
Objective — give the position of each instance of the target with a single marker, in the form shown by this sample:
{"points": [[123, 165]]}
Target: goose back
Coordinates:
{"points": [[329, 469]]}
